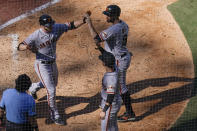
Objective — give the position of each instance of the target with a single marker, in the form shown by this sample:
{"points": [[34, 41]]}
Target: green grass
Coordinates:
{"points": [[185, 13]]}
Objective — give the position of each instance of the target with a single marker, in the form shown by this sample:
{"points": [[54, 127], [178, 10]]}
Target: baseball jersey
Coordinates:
{"points": [[115, 39], [109, 86], [18, 105], [46, 42]]}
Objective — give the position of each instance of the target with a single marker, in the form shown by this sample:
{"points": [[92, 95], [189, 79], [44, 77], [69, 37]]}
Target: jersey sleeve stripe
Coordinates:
{"points": [[28, 46], [110, 92], [101, 37], [25, 43]]}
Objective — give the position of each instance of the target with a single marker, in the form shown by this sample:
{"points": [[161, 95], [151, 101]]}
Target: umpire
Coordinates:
{"points": [[19, 107]]}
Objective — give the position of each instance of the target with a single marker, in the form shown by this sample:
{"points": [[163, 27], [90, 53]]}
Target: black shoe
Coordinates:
{"points": [[59, 121], [34, 95], [126, 117]]}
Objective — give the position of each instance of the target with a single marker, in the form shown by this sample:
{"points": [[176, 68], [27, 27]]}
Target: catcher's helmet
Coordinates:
{"points": [[46, 20], [112, 10]]}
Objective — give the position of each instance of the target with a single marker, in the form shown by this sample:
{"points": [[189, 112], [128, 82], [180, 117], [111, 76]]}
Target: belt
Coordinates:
{"points": [[47, 62], [22, 124]]}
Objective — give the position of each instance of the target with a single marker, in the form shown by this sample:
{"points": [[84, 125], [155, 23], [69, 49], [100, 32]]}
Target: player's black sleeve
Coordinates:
{"points": [[101, 49], [110, 98], [72, 25]]}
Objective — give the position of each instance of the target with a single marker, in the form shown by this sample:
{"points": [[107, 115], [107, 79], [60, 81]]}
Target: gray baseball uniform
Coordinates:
{"points": [[109, 86], [45, 64], [115, 38]]}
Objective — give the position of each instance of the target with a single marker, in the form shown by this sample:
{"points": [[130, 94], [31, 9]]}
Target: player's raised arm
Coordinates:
{"points": [[74, 24], [77, 23], [93, 31]]}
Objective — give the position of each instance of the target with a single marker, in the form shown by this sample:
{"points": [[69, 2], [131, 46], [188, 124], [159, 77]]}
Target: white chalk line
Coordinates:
{"points": [[15, 37], [14, 51], [18, 18], [14, 47]]}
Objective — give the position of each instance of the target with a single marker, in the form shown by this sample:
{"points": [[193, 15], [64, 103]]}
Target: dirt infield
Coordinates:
{"points": [[159, 77]]}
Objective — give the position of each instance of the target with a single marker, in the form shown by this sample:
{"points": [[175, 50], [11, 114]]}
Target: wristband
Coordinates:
{"points": [[72, 25], [84, 20]]}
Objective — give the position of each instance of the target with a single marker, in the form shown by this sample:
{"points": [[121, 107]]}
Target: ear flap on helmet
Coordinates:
{"points": [[46, 20]]}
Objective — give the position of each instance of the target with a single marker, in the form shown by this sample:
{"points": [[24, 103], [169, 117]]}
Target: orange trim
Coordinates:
{"points": [[25, 43], [117, 62], [108, 117], [110, 92], [101, 37], [28, 46], [43, 84]]}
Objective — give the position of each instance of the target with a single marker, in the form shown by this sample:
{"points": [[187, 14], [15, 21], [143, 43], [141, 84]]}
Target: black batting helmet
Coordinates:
{"points": [[46, 20], [112, 10]]}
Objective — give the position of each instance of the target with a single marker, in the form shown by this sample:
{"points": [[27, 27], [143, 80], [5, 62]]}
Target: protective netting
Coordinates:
{"points": [[67, 90]]}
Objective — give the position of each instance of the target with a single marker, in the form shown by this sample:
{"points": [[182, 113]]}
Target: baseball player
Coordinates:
{"points": [[42, 42], [111, 99], [115, 39]]}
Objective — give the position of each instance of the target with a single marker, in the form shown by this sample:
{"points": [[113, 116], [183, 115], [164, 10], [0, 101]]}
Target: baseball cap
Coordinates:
{"points": [[107, 58]]}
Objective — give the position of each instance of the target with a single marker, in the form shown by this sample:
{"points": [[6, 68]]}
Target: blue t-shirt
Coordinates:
{"points": [[18, 105]]}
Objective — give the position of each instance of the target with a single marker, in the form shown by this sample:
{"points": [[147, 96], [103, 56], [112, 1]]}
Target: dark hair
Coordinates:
{"points": [[23, 82], [107, 58]]}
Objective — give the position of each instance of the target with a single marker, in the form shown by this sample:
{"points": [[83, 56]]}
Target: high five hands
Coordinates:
{"points": [[87, 16]]}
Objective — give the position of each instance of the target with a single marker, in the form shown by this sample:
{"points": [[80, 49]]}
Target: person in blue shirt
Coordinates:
{"points": [[19, 107]]}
